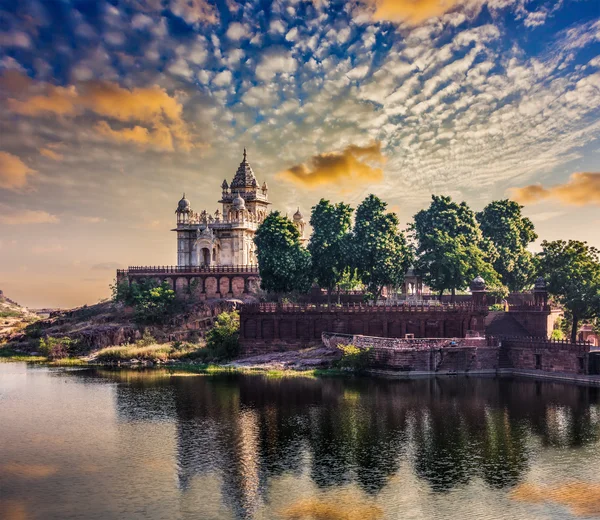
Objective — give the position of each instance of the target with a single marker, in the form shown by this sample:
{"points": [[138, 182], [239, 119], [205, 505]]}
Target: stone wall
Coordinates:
{"points": [[545, 355], [438, 355], [272, 327]]}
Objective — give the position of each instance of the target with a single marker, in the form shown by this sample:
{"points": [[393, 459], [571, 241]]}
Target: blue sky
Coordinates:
{"points": [[109, 110]]}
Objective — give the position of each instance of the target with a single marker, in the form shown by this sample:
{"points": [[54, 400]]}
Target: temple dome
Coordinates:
{"points": [[183, 205], [244, 176], [298, 216], [238, 202]]}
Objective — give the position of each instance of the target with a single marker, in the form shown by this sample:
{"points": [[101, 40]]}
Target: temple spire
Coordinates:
{"points": [[244, 153]]}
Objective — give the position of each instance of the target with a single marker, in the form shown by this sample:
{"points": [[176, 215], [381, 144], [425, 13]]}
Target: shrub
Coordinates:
{"points": [[557, 334], [58, 348], [354, 358], [146, 340], [222, 341]]}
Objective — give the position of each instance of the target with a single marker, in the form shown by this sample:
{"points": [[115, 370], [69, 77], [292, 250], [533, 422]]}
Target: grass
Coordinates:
{"points": [[8, 355], [156, 352], [271, 373], [10, 314]]}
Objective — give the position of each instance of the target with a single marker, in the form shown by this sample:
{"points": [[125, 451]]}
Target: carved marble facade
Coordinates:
{"points": [[225, 237]]}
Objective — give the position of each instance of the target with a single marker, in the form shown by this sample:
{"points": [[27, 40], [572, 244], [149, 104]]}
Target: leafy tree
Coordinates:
{"points": [[451, 249], [153, 302], [283, 262], [503, 224], [379, 250], [328, 243], [222, 341], [572, 273]]}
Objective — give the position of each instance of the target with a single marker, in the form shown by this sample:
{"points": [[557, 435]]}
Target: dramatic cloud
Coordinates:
{"points": [[579, 190], [13, 171], [353, 165], [412, 12], [28, 217], [160, 113]]}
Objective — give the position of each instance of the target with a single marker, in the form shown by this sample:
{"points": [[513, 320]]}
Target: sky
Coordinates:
{"points": [[110, 110]]}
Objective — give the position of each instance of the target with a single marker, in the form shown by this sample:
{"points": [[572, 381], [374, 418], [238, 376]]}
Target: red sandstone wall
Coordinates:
{"points": [[270, 328], [554, 356]]}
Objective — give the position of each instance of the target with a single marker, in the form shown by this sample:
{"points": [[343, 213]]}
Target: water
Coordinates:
{"points": [[99, 444]]}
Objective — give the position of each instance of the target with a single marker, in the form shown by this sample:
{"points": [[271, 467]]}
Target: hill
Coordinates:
{"points": [[13, 317]]}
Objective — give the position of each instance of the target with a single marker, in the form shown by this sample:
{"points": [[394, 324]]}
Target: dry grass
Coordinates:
{"points": [[156, 352]]}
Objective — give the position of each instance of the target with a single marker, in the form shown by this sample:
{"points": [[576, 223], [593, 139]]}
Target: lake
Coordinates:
{"points": [[125, 444]]}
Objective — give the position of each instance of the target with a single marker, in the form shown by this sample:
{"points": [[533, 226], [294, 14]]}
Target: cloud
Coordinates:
{"points": [[51, 154], [351, 166], [579, 190], [91, 220], [160, 115], [160, 137], [194, 12], [28, 217], [413, 12], [237, 31], [13, 171], [275, 61], [106, 266]]}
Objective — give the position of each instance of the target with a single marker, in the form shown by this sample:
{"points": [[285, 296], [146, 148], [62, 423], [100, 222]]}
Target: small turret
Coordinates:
{"points": [[183, 210], [478, 291]]}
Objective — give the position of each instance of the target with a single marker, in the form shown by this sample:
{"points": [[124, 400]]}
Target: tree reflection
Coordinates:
{"points": [[248, 430]]}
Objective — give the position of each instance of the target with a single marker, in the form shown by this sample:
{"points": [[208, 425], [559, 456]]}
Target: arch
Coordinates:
{"points": [[181, 286], [211, 286]]}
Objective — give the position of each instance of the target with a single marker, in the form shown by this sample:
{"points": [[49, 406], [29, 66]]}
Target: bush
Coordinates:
{"points": [[58, 348], [222, 341], [557, 334], [354, 358]]}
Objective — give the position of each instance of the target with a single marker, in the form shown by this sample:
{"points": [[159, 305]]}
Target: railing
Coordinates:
{"points": [[171, 269], [529, 306], [530, 340], [265, 308]]}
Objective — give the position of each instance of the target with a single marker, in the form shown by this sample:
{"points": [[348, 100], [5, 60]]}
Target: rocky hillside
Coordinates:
{"points": [[13, 317], [107, 324]]}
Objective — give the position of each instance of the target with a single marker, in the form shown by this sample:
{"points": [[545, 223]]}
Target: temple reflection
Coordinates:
{"points": [[248, 430]]}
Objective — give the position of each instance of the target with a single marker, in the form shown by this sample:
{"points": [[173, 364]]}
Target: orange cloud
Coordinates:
{"points": [[29, 217], [412, 12], [159, 137], [579, 190], [158, 115], [51, 154], [353, 165], [13, 171]]}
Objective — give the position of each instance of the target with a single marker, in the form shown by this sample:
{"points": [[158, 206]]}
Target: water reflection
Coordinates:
{"points": [[249, 429], [351, 439]]}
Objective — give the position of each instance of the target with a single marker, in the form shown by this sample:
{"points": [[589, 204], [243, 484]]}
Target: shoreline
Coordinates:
{"points": [[273, 370]]}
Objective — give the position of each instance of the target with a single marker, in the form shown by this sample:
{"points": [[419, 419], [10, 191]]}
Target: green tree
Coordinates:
{"points": [[503, 224], [379, 250], [283, 263], [328, 243], [222, 341], [153, 302], [572, 273], [451, 249]]}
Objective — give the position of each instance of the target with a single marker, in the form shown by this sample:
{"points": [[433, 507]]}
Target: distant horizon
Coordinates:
{"points": [[107, 121]]}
